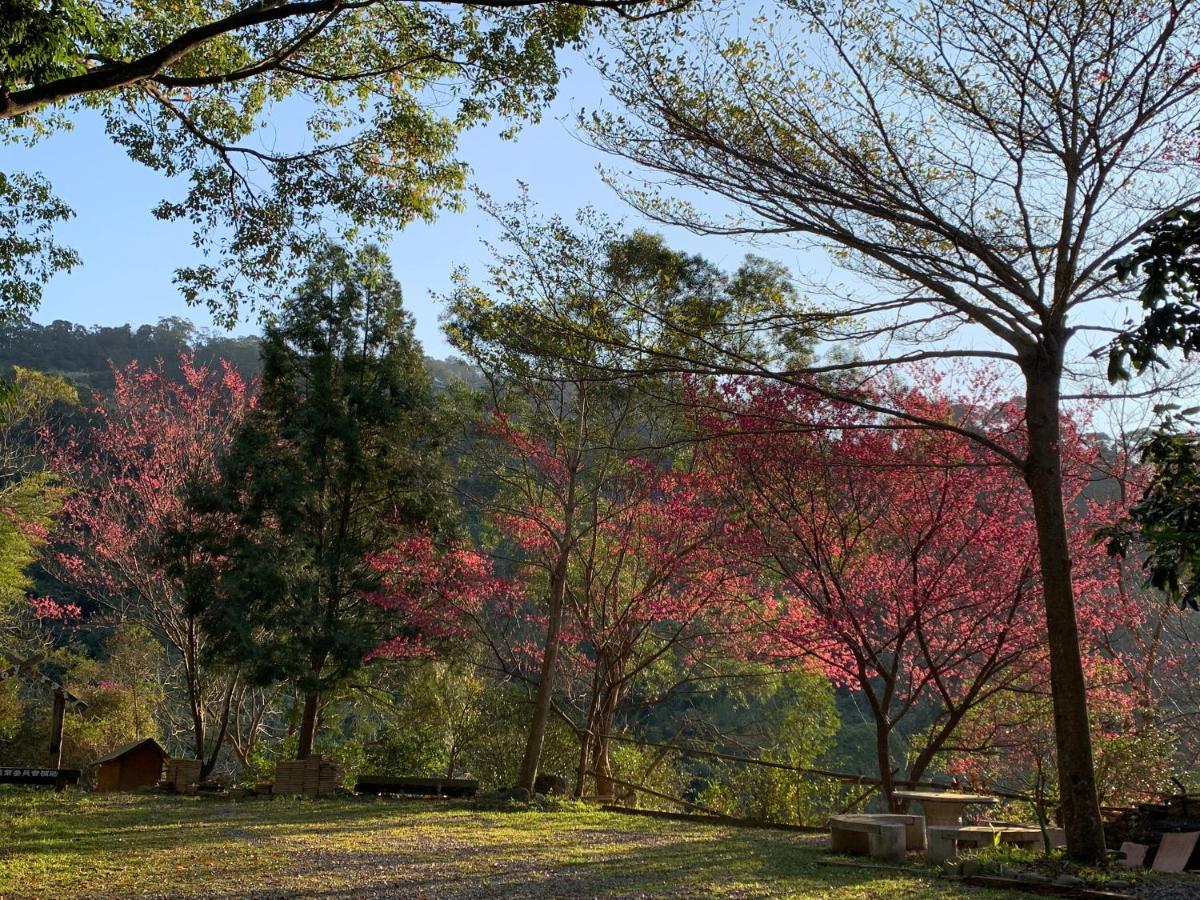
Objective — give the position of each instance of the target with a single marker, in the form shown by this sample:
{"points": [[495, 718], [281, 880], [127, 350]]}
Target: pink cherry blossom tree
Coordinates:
{"points": [[903, 560], [645, 581], [132, 468]]}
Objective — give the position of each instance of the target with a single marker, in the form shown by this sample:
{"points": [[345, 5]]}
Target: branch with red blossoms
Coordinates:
{"points": [[436, 596]]}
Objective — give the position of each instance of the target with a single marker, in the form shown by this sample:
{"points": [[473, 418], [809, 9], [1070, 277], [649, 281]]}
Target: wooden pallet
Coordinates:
{"points": [[182, 776], [312, 777]]}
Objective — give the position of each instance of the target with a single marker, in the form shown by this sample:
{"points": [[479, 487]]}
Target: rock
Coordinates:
{"points": [[1068, 880], [1033, 878], [971, 868]]}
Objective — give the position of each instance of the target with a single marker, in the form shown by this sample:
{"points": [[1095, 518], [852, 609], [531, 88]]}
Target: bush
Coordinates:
{"points": [[804, 725]]}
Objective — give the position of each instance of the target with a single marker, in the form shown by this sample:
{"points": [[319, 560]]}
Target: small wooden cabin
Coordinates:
{"points": [[133, 766]]}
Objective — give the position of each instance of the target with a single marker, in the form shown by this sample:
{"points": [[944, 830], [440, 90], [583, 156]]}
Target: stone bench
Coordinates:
{"points": [[944, 840], [883, 835]]}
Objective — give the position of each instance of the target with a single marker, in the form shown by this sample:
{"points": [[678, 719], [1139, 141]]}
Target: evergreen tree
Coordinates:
{"points": [[343, 453]]}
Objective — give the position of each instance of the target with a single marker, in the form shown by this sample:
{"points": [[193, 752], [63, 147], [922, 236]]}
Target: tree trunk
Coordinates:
{"points": [[308, 726], [191, 672], [1043, 474], [585, 739], [57, 717], [606, 716], [883, 758], [210, 763], [545, 691]]}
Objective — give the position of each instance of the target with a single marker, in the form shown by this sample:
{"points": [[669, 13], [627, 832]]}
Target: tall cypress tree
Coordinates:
{"points": [[343, 452]]}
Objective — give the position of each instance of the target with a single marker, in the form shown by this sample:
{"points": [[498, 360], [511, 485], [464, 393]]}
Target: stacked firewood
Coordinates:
{"points": [[312, 777], [183, 775]]}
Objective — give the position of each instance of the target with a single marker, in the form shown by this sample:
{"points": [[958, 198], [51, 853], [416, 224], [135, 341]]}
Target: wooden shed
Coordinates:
{"points": [[133, 766]]}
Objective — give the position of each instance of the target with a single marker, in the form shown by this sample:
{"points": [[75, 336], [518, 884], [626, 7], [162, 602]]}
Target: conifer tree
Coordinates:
{"points": [[343, 454]]}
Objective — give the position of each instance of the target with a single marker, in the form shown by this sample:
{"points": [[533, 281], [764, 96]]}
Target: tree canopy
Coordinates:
{"points": [[378, 91], [1165, 522]]}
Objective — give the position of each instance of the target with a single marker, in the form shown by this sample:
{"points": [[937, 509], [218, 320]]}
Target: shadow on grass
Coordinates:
{"points": [[381, 848]]}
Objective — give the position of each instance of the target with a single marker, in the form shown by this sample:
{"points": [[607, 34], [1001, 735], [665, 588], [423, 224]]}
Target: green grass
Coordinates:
{"points": [[73, 845]]}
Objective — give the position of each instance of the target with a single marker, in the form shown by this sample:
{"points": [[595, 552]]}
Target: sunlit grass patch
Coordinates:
{"points": [[74, 845]]}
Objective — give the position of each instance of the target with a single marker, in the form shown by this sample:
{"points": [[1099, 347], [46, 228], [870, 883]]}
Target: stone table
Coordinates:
{"points": [[945, 807]]}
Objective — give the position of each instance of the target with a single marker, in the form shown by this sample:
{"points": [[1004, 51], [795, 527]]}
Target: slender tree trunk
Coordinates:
{"points": [[545, 690], [191, 671], [308, 725], [197, 725], [606, 717], [210, 762], [585, 740], [1043, 474], [935, 744], [57, 717]]}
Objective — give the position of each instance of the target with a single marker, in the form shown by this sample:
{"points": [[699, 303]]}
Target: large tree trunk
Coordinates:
{"points": [[545, 691], [308, 725], [1043, 474]]}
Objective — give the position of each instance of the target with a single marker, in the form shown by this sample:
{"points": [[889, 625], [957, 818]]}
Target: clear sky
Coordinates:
{"points": [[129, 256]]}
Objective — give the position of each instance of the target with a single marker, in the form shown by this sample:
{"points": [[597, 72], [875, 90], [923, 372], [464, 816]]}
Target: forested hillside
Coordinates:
{"points": [[86, 354]]}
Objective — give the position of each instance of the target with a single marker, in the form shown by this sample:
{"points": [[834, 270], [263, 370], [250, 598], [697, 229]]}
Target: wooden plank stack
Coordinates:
{"points": [[183, 775], [312, 777], [1146, 823]]}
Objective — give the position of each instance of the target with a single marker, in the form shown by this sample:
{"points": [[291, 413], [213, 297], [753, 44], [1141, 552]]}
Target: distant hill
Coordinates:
{"points": [[83, 353]]}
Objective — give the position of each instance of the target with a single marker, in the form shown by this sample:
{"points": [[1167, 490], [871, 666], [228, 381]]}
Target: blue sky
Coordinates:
{"points": [[129, 256]]}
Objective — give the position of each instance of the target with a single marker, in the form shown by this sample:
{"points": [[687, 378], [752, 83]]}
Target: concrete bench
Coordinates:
{"points": [[944, 840], [883, 835]]}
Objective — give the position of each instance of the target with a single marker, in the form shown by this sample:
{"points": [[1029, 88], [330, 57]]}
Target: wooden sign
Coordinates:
{"points": [[38, 776]]}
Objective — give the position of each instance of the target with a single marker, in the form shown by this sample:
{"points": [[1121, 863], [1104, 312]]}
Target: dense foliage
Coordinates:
{"points": [[378, 93], [251, 573], [1165, 523]]}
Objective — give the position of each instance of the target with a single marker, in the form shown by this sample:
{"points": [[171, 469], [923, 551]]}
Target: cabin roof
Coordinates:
{"points": [[128, 748]]}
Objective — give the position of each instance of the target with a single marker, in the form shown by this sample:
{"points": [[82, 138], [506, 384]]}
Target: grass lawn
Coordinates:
{"points": [[73, 845]]}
